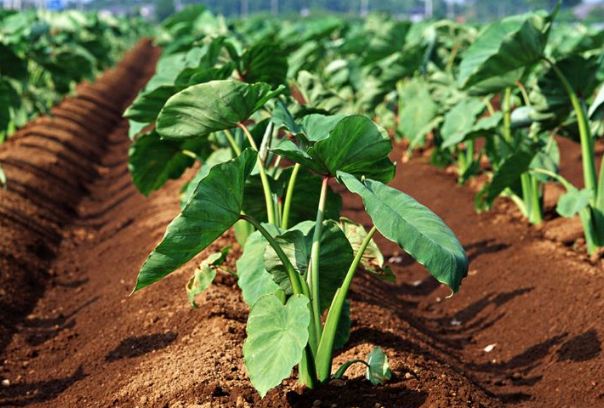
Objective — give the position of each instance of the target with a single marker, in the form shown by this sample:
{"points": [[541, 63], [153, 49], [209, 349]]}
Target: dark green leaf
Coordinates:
{"points": [[506, 175], [264, 62], [355, 145], [217, 157], [206, 108], [153, 161], [212, 209], [416, 229], [147, 105], [335, 257], [502, 53]]}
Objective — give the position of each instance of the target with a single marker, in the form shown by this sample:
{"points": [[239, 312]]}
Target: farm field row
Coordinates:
{"points": [[300, 200]]}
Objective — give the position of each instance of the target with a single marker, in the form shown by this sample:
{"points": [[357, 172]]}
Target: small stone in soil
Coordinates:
{"points": [[6, 382]]}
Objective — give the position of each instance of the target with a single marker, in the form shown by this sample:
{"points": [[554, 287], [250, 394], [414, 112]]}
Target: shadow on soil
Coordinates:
{"points": [[369, 394], [141, 345], [21, 395], [43, 329]]}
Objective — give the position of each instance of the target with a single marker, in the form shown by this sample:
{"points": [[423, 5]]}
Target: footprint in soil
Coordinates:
{"points": [[141, 345]]}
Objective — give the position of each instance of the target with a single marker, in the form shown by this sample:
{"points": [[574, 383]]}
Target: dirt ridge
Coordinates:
{"points": [[48, 164]]}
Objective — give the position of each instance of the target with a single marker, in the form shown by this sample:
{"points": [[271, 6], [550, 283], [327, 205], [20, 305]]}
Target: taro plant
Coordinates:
{"points": [[296, 277], [502, 60]]}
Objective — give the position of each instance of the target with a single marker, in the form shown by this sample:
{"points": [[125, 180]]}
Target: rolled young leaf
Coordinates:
{"points": [[212, 209], [206, 108], [416, 229], [276, 337], [378, 369]]}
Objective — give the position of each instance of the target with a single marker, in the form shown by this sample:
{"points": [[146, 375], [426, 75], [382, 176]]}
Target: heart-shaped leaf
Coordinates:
{"points": [[213, 208], [574, 201], [206, 108], [502, 53], [416, 229], [264, 62], [355, 145], [276, 337]]}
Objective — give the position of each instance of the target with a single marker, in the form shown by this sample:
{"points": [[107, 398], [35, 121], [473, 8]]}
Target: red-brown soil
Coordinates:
{"points": [[75, 232]]}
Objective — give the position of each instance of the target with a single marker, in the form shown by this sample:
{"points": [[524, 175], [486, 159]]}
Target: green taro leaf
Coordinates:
{"points": [[416, 229], [504, 51], [460, 120], [506, 175], [212, 209], [153, 161], [264, 62], [573, 202], [254, 280], [206, 108], [147, 105], [355, 145], [217, 157], [551, 99], [276, 337], [335, 257], [417, 111], [378, 369], [11, 65]]}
